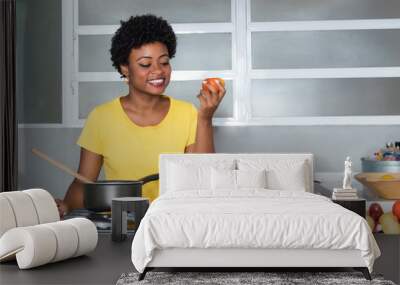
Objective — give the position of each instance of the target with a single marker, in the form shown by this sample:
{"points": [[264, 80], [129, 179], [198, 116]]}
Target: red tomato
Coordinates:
{"points": [[375, 211], [213, 81], [396, 209]]}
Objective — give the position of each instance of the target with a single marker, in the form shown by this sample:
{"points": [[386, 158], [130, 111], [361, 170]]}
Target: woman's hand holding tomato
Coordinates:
{"points": [[211, 94]]}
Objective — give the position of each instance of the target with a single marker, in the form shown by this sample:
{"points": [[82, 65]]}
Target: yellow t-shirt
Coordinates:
{"points": [[131, 152]]}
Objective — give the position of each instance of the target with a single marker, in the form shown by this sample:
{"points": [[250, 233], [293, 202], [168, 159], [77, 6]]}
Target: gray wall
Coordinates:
{"points": [[330, 145], [39, 97]]}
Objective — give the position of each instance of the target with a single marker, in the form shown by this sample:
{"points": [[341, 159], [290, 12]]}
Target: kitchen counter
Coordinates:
{"points": [[102, 266]]}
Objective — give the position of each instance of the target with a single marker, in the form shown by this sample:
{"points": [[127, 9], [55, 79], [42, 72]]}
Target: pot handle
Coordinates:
{"points": [[148, 178]]}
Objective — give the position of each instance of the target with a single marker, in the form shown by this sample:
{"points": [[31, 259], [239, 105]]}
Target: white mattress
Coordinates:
{"points": [[251, 219]]}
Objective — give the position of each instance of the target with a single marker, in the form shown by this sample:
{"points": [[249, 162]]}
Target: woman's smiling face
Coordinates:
{"points": [[149, 70]]}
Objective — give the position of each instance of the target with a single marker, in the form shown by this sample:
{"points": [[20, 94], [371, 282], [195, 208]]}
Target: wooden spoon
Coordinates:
{"points": [[61, 166]]}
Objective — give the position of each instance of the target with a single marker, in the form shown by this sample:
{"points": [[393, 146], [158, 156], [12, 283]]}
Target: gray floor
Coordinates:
{"points": [[389, 262], [103, 266], [110, 259]]}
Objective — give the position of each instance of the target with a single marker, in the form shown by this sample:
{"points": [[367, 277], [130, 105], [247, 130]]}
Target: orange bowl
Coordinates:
{"points": [[386, 185]]}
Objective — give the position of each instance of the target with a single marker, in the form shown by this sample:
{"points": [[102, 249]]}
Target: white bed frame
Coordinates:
{"points": [[246, 258]]}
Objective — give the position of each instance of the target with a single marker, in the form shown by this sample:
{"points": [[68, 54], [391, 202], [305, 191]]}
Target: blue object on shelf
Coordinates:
{"points": [[370, 165]]}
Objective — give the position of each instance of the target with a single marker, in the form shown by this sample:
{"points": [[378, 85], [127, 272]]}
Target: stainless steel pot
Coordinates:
{"points": [[98, 195]]}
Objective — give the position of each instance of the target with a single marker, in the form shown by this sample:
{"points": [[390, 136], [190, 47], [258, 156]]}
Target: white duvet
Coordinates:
{"points": [[252, 218]]}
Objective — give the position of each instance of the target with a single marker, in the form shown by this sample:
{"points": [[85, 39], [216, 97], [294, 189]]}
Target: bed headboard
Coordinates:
{"points": [[215, 157]]}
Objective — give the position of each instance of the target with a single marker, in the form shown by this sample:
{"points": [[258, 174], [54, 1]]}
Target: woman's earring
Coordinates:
{"points": [[126, 80]]}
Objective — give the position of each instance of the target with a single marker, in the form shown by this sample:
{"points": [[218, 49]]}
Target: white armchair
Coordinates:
{"points": [[31, 231]]}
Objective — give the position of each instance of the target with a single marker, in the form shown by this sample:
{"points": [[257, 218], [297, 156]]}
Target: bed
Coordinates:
{"points": [[245, 211]]}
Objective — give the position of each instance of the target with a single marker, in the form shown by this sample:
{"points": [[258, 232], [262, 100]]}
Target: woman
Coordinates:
{"points": [[128, 133]]}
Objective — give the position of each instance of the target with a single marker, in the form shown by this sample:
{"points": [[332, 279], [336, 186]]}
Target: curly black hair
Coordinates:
{"points": [[137, 31]]}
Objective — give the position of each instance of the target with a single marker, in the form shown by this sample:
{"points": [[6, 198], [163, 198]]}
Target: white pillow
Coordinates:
{"points": [[251, 178], [223, 179], [182, 178], [188, 175], [227, 179], [282, 174]]}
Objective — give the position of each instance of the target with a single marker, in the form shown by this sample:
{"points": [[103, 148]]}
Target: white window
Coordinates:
{"points": [[303, 62]]}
